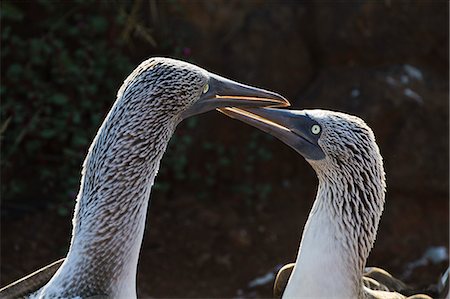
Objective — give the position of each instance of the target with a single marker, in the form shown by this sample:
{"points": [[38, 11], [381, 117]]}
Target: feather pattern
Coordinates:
{"points": [[118, 172], [343, 222]]}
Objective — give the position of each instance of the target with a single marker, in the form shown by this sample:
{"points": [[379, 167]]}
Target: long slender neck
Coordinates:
{"points": [[338, 236], [109, 218]]}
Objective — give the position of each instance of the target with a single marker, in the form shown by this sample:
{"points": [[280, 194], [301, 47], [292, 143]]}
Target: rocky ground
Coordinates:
{"points": [[217, 250]]}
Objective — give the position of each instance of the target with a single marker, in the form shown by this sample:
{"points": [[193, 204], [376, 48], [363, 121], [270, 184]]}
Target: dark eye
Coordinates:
{"points": [[315, 129]]}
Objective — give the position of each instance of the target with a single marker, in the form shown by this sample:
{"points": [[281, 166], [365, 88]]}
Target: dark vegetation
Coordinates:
{"points": [[228, 201], [61, 67]]}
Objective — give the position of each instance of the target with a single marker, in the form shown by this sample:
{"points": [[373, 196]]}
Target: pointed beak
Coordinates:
{"points": [[223, 92], [293, 127]]}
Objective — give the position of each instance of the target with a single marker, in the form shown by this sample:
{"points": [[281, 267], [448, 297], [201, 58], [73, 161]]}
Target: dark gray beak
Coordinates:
{"points": [[293, 127], [223, 92]]}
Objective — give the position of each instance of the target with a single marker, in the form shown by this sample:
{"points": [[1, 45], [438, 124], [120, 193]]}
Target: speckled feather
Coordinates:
{"points": [[117, 176], [343, 222], [351, 182]]}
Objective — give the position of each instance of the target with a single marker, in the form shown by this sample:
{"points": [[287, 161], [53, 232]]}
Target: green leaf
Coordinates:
{"points": [[161, 186], [79, 140], [9, 11], [63, 211], [186, 139], [98, 24], [14, 71], [48, 133], [224, 161], [76, 117], [6, 32], [192, 122], [58, 99], [207, 145]]}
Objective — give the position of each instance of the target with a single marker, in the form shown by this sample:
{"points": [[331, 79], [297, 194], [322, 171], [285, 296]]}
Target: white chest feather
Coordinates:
{"points": [[320, 270]]}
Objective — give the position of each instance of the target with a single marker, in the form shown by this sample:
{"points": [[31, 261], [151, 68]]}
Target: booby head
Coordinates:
{"points": [[181, 89], [342, 150], [328, 140]]}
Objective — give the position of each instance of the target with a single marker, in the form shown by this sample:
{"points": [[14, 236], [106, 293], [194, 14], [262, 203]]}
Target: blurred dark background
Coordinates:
{"points": [[229, 203]]}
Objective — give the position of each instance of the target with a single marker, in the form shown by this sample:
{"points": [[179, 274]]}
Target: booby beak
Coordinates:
{"points": [[294, 127], [222, 92]]}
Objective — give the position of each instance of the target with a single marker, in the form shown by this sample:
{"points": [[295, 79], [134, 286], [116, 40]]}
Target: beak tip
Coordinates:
{"points": [[279, 100], [284, 102]]}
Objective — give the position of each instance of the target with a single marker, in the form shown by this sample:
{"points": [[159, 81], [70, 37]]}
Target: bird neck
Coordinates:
{"points": [[339, 234], [109, 218]]}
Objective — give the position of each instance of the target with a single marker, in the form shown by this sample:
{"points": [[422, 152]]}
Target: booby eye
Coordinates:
{"points": [[315, 129], [206, 88]]}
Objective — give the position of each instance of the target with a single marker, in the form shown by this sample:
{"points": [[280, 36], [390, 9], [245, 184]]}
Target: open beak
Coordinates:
{"points": [[223, 92], [293, 127]]}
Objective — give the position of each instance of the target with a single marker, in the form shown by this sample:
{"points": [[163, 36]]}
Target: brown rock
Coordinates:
{"points": [[259, 43]]}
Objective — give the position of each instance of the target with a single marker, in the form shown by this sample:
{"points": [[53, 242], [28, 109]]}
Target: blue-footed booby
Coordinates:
{"points": [[343, 222], [120, 168]]}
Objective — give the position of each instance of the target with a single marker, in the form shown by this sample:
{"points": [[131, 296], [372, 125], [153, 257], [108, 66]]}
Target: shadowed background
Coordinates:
{"points": [[229, 202]]}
